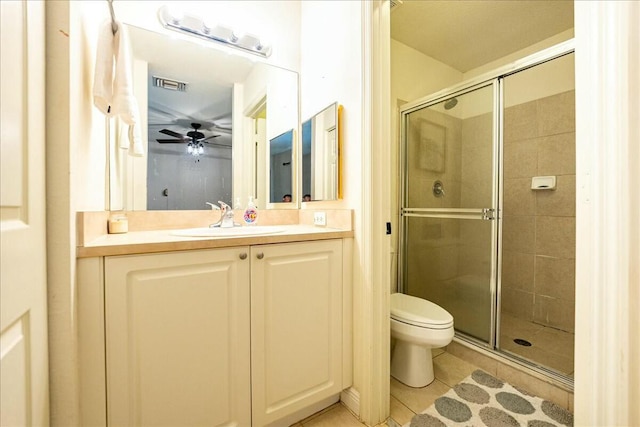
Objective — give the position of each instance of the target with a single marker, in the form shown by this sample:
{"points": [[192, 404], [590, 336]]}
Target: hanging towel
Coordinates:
{"points": [[103, 77], [113, 94]]}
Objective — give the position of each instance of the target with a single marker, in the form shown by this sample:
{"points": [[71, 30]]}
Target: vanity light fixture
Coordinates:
{"points": [[213, 32]]}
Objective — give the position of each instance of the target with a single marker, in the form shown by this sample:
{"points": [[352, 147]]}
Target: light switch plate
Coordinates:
{"points": [[319, 218]]}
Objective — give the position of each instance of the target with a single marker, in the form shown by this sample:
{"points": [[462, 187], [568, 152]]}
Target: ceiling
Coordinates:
{"points": [[467, 34]]}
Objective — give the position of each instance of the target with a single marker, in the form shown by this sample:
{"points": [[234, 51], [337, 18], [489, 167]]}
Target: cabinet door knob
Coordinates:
{"points": [[243, 255], [260, 255]]}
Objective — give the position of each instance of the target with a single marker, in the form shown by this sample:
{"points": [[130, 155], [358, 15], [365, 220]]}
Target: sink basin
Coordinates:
{"points": [[228, 232]]}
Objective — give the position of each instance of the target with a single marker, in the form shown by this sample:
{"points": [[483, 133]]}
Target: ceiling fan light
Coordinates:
{"points": [[201, 149], [189, 148]]}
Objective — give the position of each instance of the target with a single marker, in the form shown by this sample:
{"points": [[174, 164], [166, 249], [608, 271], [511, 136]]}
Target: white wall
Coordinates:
{"points": [[536, 47], [331, 71]]}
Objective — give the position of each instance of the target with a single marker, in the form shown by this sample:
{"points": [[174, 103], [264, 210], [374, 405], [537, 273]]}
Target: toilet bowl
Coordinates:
{"points": [[418, 326]]}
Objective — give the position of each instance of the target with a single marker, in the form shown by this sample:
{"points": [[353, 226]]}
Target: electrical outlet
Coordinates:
{"points": [[319, 218]]}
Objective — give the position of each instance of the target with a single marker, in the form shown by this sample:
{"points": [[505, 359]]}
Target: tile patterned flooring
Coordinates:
{"points": [[449, 370], [405, 401]]}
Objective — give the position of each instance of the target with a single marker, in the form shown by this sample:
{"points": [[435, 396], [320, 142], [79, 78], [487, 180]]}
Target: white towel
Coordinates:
{"points": [[113, 95], [103, 77]]}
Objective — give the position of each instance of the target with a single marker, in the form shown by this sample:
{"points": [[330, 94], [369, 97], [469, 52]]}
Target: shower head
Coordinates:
{"points": [[450, 103]]}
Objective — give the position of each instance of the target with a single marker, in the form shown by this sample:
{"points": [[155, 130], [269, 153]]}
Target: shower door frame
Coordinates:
{"points": [[496, 78]]}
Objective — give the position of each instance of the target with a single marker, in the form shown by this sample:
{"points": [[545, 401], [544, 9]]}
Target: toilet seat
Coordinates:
{"points": [[419, 312]]}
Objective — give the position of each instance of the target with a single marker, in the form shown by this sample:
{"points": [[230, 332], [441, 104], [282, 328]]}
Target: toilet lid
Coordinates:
{"points": [[419, 312]]}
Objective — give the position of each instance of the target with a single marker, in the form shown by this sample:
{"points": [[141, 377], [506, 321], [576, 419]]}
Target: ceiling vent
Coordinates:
{"points": [[169, 84], [395, 4]]}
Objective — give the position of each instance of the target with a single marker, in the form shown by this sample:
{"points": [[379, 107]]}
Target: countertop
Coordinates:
{"points": [[153, 241]]}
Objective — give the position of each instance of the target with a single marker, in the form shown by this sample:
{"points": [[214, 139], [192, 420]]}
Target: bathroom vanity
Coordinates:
{"points": [[247, 331]]}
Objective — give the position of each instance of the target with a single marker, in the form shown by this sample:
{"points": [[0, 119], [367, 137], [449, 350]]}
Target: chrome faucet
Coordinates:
{"points": [[226, 216]]}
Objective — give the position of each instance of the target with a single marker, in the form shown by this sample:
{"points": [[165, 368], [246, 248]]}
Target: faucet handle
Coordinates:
{"points": [[213, 206], [224, 206]]}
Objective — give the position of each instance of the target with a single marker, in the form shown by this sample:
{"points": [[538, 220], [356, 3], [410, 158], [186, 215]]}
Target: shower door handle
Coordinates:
{"points": [[488, 214]]}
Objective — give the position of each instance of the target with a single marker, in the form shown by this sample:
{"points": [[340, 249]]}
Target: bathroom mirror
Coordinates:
{"points": [[227, 105], [280, 168], [320, 155]]}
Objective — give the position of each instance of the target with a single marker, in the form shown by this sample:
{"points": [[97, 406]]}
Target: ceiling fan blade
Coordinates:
{"points": [[211, 137], [218, 145], [170, 141], [172, 133]]}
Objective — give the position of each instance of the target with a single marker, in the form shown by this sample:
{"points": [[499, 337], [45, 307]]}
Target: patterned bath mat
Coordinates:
{"points": [[483, 400]]}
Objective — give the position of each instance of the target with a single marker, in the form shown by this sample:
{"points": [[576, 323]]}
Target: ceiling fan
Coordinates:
{"points": [[193, 136], [194, 139]]}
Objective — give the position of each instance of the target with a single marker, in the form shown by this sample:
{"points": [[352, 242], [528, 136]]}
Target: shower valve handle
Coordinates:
{"points": [[438, 189]]}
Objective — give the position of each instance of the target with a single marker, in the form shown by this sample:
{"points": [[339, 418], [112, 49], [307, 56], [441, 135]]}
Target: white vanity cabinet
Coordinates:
{"points": [[239, 336], [177, 338]]}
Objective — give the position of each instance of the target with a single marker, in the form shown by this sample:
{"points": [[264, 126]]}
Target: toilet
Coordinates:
{"points": [[418, 326]]}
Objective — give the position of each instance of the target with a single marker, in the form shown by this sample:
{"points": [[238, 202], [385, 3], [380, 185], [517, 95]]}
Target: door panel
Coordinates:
{"points": [[296, 327], [177, 328], [449, 207], [537, 269], [24, 398], [448, 262]]}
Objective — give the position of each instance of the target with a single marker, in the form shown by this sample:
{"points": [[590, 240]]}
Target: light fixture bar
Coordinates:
{"points": [[218, 33]]}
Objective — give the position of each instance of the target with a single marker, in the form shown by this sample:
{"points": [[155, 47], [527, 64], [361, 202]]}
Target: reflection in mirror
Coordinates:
{"points": [[281, 175], [198, 108], [320, 162]]}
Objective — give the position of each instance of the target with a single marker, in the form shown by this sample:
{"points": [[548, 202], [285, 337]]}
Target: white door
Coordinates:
{"points": [[24, 395]]}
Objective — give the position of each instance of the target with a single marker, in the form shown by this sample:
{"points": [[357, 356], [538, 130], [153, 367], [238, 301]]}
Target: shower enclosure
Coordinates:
{"points": [[488, 209]]}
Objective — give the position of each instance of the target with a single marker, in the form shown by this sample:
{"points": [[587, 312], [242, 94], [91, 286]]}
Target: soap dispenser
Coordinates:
{"points": [[251, 213]]}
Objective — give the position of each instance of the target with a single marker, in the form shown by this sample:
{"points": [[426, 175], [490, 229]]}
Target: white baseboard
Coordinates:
{"points": [[351, 399]]}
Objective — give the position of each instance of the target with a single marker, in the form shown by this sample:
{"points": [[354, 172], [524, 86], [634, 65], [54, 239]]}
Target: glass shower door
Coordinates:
{"points": [[448, 208]]}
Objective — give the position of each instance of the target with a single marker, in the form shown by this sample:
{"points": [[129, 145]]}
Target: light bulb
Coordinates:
{"points": [[208, 25], [236, 35], [261, 45], [200, 149], [189, 148], [176, 14]]}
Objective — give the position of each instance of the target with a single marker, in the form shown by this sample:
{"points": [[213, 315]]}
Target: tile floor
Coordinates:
{"points": [[405, 401], [449, 370]]}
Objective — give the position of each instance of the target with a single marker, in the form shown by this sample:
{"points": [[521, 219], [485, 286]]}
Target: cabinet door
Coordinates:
{"points": [[296, 327], [177, 328]]}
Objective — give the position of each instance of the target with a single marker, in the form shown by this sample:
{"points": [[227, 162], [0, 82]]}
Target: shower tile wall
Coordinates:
{"points": [[538, 258]]}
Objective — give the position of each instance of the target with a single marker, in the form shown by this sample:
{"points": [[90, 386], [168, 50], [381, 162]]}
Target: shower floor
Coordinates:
{"points": [[551, 348]]}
